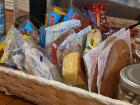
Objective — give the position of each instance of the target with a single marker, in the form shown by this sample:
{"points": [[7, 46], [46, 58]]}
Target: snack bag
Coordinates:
{"points": [[54, 18], [70, 15], [73, 43], [14, 43], [59, 11], [18, 60], [54, 32], [110, 62], [29, 29], [91, 60], [94, 38], [51, 49], [35, 58], [42, 36]]}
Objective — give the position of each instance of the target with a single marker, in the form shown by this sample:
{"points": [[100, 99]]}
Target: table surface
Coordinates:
{"points": [[12, 100]]}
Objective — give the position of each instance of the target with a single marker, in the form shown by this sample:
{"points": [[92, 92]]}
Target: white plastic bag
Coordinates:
{"points": [[34, 58]]}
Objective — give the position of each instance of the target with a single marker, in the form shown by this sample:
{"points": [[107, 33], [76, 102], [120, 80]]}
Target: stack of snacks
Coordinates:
{"points": [[79, 48]]}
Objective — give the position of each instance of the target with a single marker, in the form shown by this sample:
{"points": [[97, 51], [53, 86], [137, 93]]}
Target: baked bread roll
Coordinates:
{"points": [[119, 57], [73, 69]]}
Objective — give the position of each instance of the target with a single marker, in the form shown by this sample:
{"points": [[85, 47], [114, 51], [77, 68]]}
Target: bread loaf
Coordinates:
{"points": [[72, 70], [119, 57]]}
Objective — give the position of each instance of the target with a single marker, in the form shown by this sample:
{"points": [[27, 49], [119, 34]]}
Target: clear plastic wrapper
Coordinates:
{"points": [[94, 38], [91, 60], [54, 32], [30, 30], [104, 60], [51, 49], [73, 69], [74, 43], [40, 66], [14, 43], [18, 60]]}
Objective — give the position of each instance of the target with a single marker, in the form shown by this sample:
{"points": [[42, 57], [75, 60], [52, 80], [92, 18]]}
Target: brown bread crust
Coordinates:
{"points": [[94, 79], [119, 58]]}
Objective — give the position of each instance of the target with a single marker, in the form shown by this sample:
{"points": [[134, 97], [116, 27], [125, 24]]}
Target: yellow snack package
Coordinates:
{"points": [[93, 39], [59, 11]]}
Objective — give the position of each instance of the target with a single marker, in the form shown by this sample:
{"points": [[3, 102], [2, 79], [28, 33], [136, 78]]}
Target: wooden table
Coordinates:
{"points": [[12, 100]]}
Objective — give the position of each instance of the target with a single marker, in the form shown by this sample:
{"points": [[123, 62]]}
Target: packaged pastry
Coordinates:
{"points": [[111, 61], [73, 70], [51, 49], [93, 39], [73, 43], [54, 32], [91, 60]]}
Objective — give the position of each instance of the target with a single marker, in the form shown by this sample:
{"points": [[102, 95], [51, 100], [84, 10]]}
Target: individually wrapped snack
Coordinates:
{"points": [[113, 59], [70, 15], [93, 39], [110, 61], [34, 59], [74, 43], [29, 29], [73, 69], [18, 60], [13, 46], [54, 32], [90, 14], [54, 18], [75, 13], [91, 60], [52, 48], [42, 36], [59, 11]]}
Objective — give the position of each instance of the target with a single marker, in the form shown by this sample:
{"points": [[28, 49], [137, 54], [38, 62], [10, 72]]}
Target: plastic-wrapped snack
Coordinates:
{"points": [[70, 15], [73, 69], [54, 18], [42, 36], [14, 43], [39, 65], [93, 39], [59, 11], [18, 60], [51, 49], [74, 43], [29, 29], [54, 32]]}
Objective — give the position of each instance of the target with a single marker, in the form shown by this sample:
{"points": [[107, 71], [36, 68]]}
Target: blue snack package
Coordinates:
{"points": [[54, 18], [70, 14], [28, 27], [92, 18], [42, 36]]}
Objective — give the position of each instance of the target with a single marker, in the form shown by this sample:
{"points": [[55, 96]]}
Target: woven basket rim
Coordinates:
{"points": [[61, 86]]}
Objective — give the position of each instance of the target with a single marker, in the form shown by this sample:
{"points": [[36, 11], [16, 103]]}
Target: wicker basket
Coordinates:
{"points": [[46, 92]]}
